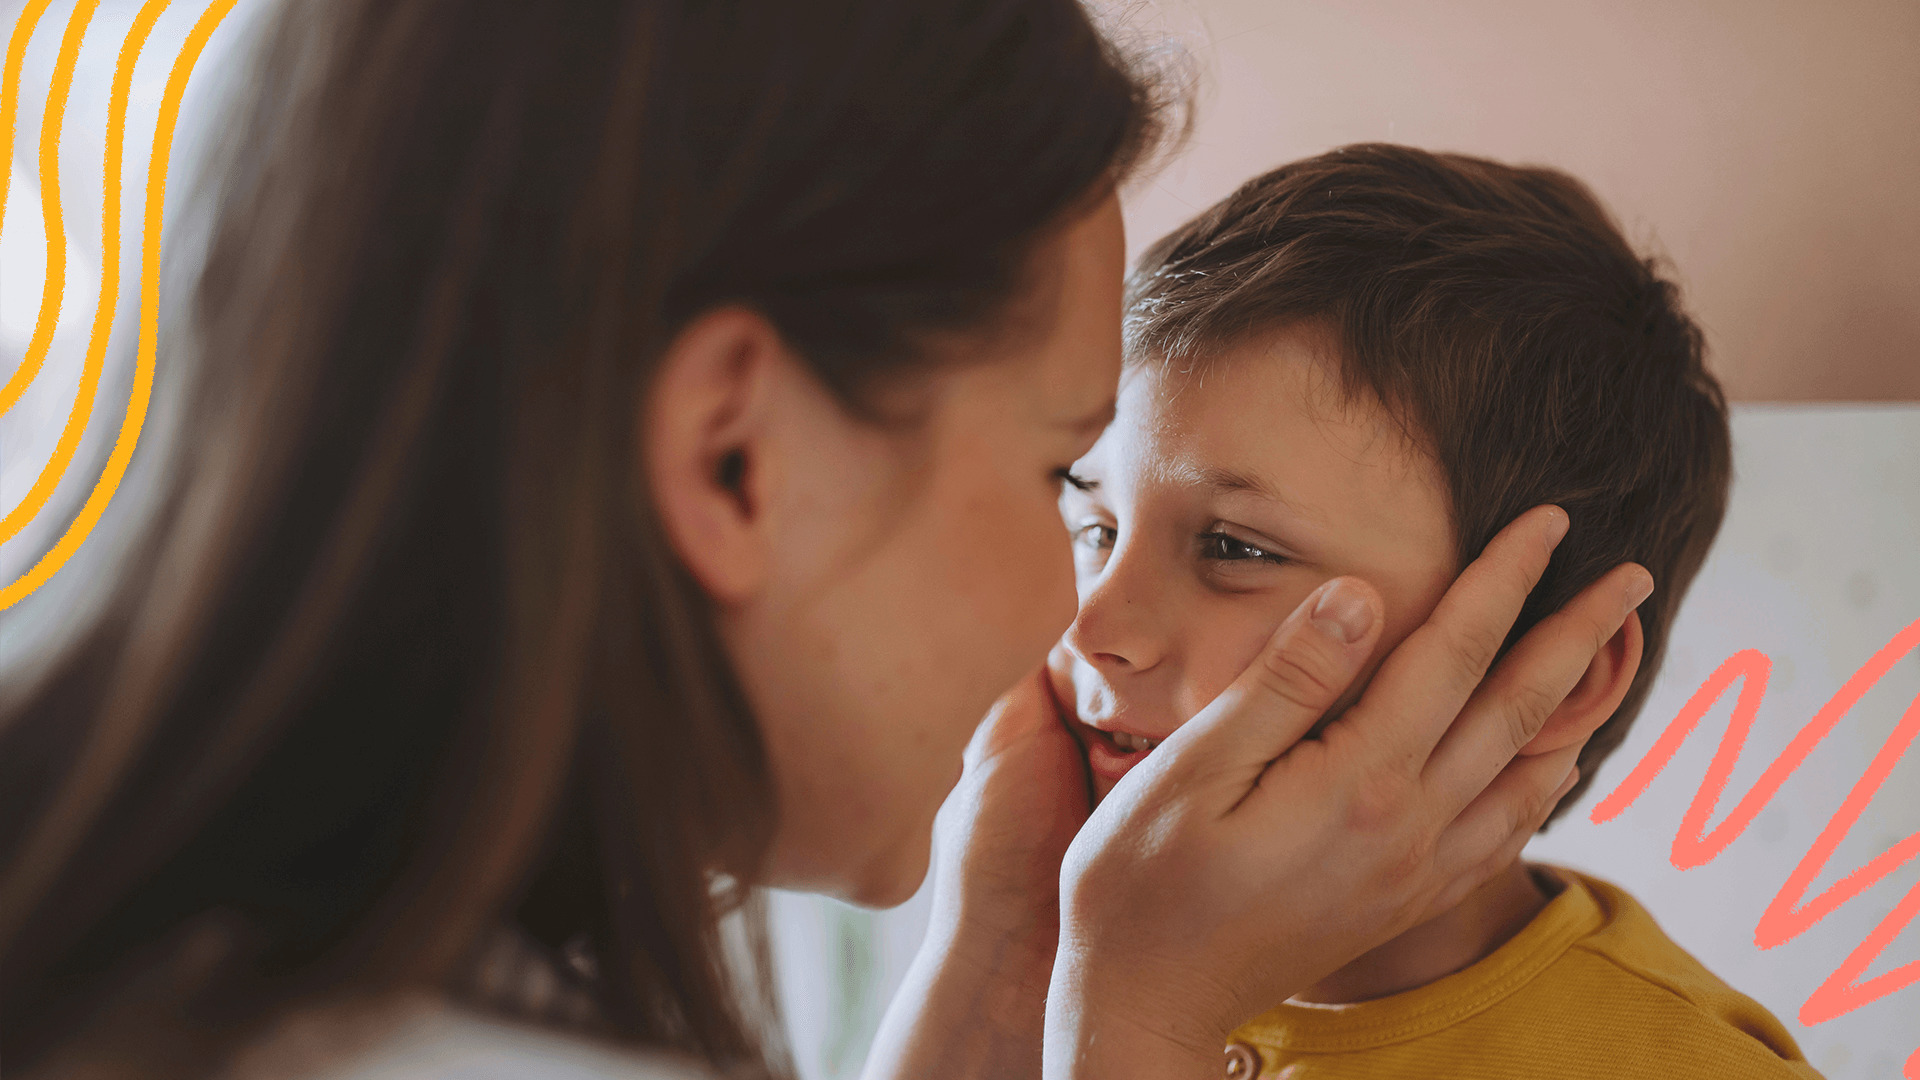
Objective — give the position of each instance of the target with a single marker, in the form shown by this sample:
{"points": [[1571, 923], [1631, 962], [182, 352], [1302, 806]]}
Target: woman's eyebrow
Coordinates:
{"points": [[1092, 423]]}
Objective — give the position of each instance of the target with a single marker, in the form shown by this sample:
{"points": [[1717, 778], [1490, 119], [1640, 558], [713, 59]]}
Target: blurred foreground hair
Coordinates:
{"points": [[404, 656]]}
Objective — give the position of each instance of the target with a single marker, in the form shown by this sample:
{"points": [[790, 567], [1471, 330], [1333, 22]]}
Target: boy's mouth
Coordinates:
{"points": [[1112, 754]]}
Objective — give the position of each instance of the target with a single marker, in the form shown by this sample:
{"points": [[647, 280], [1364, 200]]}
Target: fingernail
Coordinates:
{"points": [[1638, 590], [1342, 612], [1557, 523], [1566, 785]]}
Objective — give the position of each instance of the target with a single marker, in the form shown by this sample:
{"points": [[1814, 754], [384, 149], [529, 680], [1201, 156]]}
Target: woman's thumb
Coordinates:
{"points": [[1026, 709]]}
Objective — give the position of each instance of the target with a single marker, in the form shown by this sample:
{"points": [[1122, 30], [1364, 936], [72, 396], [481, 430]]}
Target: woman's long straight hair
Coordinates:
{"points": [[404, 656]]}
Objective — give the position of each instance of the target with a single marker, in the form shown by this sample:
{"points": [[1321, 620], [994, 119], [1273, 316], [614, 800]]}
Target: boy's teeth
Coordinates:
{"points": [[1134, 742]]}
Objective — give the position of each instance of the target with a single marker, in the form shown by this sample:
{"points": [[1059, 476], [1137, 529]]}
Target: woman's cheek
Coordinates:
{"points": [[1026, 565], [1050, 597]]}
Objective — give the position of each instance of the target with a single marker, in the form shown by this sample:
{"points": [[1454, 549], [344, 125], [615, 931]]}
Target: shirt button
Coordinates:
{"points": [[1243, 1062]]}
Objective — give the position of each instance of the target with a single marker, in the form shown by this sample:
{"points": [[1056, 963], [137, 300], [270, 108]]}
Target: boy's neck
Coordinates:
{"points": [[1455, 939]]}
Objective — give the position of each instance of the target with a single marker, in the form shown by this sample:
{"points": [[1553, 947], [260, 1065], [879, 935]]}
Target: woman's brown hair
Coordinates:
{"points": [[404, 654]]}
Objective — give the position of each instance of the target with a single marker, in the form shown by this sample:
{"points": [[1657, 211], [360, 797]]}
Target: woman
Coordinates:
{"points": [[621, 470]]}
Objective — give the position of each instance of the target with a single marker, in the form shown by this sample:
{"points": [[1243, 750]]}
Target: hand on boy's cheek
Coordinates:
{"points": [[1201, 684], [1059, 677], [1002, 833]]}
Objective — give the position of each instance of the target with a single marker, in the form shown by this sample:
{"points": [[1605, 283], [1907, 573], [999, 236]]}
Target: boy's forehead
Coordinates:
{"points": [[1244, 417], [1266, 424]]}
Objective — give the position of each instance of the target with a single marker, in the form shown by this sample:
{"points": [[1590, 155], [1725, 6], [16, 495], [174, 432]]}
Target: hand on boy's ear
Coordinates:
{"points": [[1597, 694]]}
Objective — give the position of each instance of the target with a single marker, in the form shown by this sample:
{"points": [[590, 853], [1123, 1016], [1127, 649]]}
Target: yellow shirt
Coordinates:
{"points": [[1590, 988]]}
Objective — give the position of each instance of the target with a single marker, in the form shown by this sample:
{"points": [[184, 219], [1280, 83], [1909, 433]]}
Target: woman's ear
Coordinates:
{"points": [[1598, 692], [704, 441]]}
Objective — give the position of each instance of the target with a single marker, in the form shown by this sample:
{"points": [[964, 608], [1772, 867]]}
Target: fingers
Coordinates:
{"points": [[1510, 707], [1023, 710], [1601, 689], [1421, 687], [1306, 666], [1491, 832]]}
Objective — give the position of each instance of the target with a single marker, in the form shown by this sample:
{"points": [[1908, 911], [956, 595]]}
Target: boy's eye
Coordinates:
{"points": [[1221, 547], [1095, 536]]}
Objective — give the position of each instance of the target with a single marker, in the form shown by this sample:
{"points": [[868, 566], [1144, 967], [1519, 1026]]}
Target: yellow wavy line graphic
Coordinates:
{"points": [[142, 393], [55, 281], [10, 90], [53, 291]]}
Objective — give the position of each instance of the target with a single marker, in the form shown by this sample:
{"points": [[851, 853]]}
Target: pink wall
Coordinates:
{"points": [[1771, 149]]}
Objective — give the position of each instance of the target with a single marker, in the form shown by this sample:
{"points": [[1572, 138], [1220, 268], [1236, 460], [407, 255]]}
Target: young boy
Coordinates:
{"points": [[1366, 363]]}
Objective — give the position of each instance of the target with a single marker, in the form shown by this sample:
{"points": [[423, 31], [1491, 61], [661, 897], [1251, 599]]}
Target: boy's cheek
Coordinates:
{"points": [[1361, 681], [1060, 676], [1216, 660]]}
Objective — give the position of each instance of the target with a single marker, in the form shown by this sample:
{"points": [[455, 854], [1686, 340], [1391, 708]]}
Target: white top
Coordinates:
{"points": [[436, 1040]]}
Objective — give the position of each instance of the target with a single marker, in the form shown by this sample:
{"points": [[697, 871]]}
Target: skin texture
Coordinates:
{"points": [[879, 585], [1217, 501]]}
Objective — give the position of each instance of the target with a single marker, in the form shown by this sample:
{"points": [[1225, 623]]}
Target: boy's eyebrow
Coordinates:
{"points": [[1225, 481]]}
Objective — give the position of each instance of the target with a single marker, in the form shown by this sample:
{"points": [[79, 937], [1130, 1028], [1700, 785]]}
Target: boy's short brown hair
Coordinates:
{"points": [[1498, 313]]}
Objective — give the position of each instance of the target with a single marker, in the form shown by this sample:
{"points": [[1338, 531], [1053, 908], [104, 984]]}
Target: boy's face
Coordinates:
{"points": [[1218, 501]]}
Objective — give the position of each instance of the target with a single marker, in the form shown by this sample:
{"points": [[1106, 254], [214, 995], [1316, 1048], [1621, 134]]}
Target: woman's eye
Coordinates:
{"points": [[1224, 548], [1064, 478]]}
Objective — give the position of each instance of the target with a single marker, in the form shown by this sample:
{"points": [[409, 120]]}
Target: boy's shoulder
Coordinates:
{"points": [[1654, 997], [1591, 987]]}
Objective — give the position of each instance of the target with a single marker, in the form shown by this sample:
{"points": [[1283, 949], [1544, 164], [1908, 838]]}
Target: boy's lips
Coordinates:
{"points": [[1112, 753], [1111, 750]]}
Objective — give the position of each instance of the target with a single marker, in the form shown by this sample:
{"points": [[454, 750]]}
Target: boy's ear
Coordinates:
{"points": [[707, 440], [1598, 693]]}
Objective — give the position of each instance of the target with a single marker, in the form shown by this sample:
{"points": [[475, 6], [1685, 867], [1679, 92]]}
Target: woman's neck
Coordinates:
{"points": [[1455, 939]]}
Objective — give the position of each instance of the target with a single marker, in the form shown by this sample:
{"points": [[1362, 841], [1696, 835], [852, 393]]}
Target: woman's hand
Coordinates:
{"points": [[974, 1002], [1000, 837], [1238, 865]]}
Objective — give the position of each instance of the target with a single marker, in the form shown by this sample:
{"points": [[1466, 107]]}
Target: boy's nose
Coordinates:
{"points": [[1114, 629]]}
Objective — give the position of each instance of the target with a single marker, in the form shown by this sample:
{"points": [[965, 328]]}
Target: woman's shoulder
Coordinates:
{"points": [[431, 1039]]}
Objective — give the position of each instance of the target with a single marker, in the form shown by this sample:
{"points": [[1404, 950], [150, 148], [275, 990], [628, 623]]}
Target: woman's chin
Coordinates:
{"points": [[893, 881], [888, 878]]}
